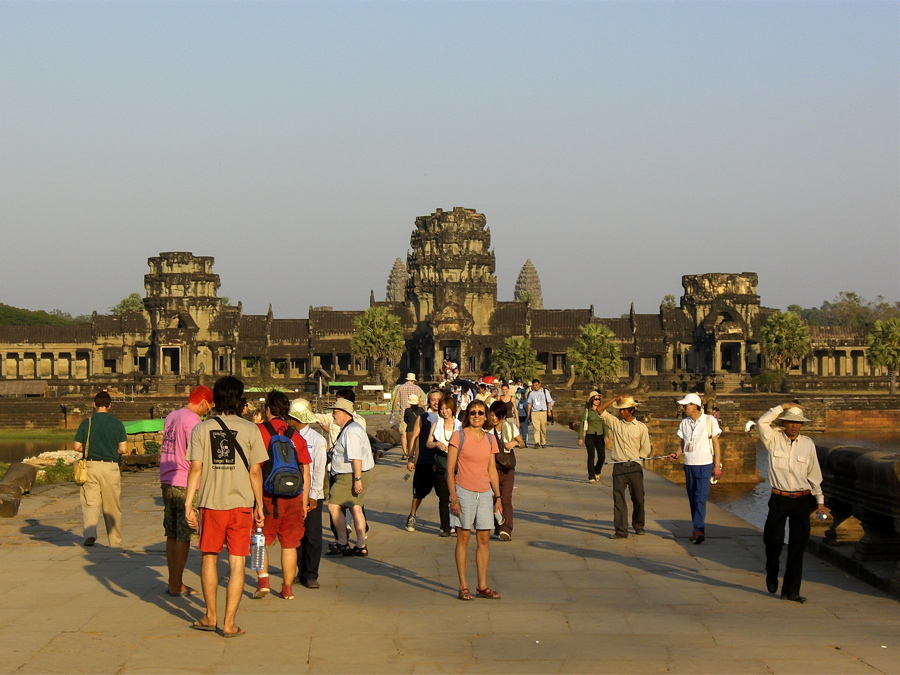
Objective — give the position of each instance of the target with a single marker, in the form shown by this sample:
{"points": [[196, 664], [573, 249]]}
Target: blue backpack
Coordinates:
{"points": [[283, 477]]}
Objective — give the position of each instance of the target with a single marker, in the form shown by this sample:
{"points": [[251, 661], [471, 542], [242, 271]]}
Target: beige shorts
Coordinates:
{"points": [[342, 490]]}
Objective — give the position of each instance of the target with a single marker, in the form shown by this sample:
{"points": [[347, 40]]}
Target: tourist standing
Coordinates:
{"points": [[474, 493], [285, 515], [592, 433], [699, 439], [506, 433], [226, 455], [399, 404], [522, 413], [796, 481], [300, 417], [351, 465], [540, 409], [427, 474], [102, 439], [409, 418], [630, 444], [173, 473], [509, 401]]}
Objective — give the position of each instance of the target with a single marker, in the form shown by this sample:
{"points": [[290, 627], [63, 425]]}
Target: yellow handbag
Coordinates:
{"points": [[80, 471]]}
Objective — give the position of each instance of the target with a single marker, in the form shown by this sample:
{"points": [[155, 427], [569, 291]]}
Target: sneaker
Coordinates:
{"points": [[262, 588], [287, 592], [639, 532], [505, 536], [617, 535], [312, 583], [411, 524], [700, 538], [445, 531], [452, 531]]}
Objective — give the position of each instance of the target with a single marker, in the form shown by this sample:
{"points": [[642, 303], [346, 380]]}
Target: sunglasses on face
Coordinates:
{"points": [[476, 413]]}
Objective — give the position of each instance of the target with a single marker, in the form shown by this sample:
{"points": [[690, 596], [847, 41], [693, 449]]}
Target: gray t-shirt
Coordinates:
{"points": [[225, 481]]}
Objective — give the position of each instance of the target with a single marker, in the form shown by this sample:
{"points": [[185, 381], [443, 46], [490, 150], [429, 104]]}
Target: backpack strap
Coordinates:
{"points": [[271, 429], [234, 440]]}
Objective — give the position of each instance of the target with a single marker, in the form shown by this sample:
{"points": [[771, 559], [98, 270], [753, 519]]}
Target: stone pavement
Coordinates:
{"points": [[573, 600]]}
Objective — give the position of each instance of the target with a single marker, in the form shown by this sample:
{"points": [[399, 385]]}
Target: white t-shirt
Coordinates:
{"points": [[352, 444], [698, 448], [440, 434]]}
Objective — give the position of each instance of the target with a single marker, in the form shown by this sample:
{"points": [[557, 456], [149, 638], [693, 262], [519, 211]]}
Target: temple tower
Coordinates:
{"points": [[452, 264], [181, 292], [528, 286], [396, 284]]}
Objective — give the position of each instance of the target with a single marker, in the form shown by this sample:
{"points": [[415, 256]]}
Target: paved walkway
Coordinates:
{"points": [[573, 600]]}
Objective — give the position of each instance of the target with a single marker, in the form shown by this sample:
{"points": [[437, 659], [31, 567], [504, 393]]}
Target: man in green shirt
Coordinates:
{"points": [[102, 438]]}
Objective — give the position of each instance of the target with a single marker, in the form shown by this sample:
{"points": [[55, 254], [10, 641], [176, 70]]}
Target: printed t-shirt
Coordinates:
{"points": [[225, 482], [472, 460], [106, 434], [281, 427], [173, 467]]}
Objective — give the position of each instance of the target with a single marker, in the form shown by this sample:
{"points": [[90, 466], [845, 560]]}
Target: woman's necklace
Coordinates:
{"points": [[447, 436]]}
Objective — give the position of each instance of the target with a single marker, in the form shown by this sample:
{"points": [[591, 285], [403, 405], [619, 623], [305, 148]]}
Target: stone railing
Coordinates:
{"points": [[864, 484]]}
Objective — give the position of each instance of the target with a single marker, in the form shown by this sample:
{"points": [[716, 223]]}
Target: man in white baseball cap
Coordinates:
{"points": [[699, 437]]}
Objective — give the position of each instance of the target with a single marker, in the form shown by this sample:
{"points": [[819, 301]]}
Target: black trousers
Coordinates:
{"points": [[594, 444], [630, 476], [309, 552], [796, 512]]}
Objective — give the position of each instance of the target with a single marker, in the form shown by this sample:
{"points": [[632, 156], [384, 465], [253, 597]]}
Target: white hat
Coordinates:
{"points": [[301, 410], [343, 404], [413, 399], [793, 415], [410, 377], [691, 398], [626, 402]]}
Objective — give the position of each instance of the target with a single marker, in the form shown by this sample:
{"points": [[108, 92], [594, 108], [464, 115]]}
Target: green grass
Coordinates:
{"points": [[37, 434], [55, 473]]}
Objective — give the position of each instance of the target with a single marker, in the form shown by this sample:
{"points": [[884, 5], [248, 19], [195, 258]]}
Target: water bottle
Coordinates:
{"points": [[821, 515], [257, 550], [498, 516]]}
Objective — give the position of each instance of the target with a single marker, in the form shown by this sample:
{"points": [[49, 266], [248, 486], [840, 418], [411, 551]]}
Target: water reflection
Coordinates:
{"points": [[16, 451], [750, 501]]}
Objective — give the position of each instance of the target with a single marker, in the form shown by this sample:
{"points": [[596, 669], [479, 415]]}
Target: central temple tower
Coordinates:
{"points": [[451, 266]]}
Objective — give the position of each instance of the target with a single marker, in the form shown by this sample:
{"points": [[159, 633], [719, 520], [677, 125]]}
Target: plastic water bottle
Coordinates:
{"points": [[821, 515], [498, 516], [257, 550]]}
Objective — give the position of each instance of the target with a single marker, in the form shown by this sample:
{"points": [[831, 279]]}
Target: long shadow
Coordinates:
{"points": [[105, 565], [565, 521]]}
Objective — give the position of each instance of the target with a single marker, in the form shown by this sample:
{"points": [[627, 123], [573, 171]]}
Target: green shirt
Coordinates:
{"points": [[106, 434], [595, 424]]}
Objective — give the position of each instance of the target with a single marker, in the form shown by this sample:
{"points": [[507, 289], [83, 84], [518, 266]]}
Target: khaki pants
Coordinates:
{"points": [[100, 495], [539, 424]]}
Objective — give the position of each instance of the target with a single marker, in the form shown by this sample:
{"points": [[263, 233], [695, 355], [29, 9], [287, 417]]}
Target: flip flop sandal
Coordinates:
{"points": [[202, 626], [464, 594], [189, 591], [487, 593], [237, 633]]}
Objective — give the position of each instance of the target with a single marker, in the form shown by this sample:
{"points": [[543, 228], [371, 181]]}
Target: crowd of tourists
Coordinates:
{"points": [[227, 477]]}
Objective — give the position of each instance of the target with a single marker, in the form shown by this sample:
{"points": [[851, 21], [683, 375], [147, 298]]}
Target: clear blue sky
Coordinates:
{"points": [[619, 145]]}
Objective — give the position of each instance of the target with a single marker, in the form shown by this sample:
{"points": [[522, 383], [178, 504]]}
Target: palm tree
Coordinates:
{"points": [[784, 340], [884, 348], [515, 358], [595, 354], [377, 335]]}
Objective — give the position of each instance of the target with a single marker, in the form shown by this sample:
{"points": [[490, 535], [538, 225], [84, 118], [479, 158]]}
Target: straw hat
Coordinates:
{"points": [[413, 399], [593, 394], [626, 402], [793, 415], [410, 377], [301, 410]]}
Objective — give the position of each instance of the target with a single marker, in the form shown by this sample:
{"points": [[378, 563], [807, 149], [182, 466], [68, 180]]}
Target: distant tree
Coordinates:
{"points": [[225, 300], [884, 348], [14, 316], [595, 354], [848, 309], [515, 358], [378, 335], [784, 340], [668, 302], [132, 303]]}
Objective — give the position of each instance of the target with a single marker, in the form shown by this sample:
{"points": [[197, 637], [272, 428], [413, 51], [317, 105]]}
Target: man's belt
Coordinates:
{"points": [[92, 459], [792, 495]]}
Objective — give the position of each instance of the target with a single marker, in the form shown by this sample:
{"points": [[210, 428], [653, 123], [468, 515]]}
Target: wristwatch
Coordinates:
{"points": [[357, 478]]}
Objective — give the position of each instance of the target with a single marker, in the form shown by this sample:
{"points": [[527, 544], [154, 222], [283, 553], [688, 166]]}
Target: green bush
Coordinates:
{"points": [[151, 447], [769, 380], [57, 473]]}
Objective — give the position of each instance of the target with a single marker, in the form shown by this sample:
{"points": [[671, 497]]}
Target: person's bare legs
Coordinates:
{"points": [[176, 559], [233, 592], [340, 523], [462, 543], [482, 556], [209, 582], [288, 565], [416, 503], [359, 524]]}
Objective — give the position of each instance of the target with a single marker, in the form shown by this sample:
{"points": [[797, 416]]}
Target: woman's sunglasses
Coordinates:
{"points": [[476, 413]]}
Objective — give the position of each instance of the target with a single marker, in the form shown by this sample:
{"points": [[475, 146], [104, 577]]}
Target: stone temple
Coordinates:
{"points": [[446, 298]]}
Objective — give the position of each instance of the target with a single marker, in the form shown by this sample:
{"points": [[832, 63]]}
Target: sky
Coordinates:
{"points": [[618, 145]]}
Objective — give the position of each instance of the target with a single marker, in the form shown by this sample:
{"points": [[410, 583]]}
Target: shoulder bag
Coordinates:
{"points": [[79, 470]]}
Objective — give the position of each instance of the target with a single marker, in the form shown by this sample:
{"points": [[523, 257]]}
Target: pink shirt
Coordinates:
{"points": [[472, 461], [173, 467]]}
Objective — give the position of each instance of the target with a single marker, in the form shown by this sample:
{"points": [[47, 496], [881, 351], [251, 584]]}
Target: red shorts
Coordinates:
{"points": [[290, 524], [230, 528]]}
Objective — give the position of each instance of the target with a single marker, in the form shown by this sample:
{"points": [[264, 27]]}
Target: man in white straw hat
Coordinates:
{"points": [[630, 443], [699, 437], [796, 481]]}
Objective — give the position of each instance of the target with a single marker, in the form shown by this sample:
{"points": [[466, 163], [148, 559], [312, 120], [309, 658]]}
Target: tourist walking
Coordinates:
{"points": [[285, 514], [592, 433], [427, 474], [351, 465], [300, 416], [796, 481], [630, 444], [226, 455], [698, 435], [102, 439], [509, 401], [506, 432], [474, 493], [410, 417], [400, 402], [173, 473], [522, 414], [540, 410]]}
